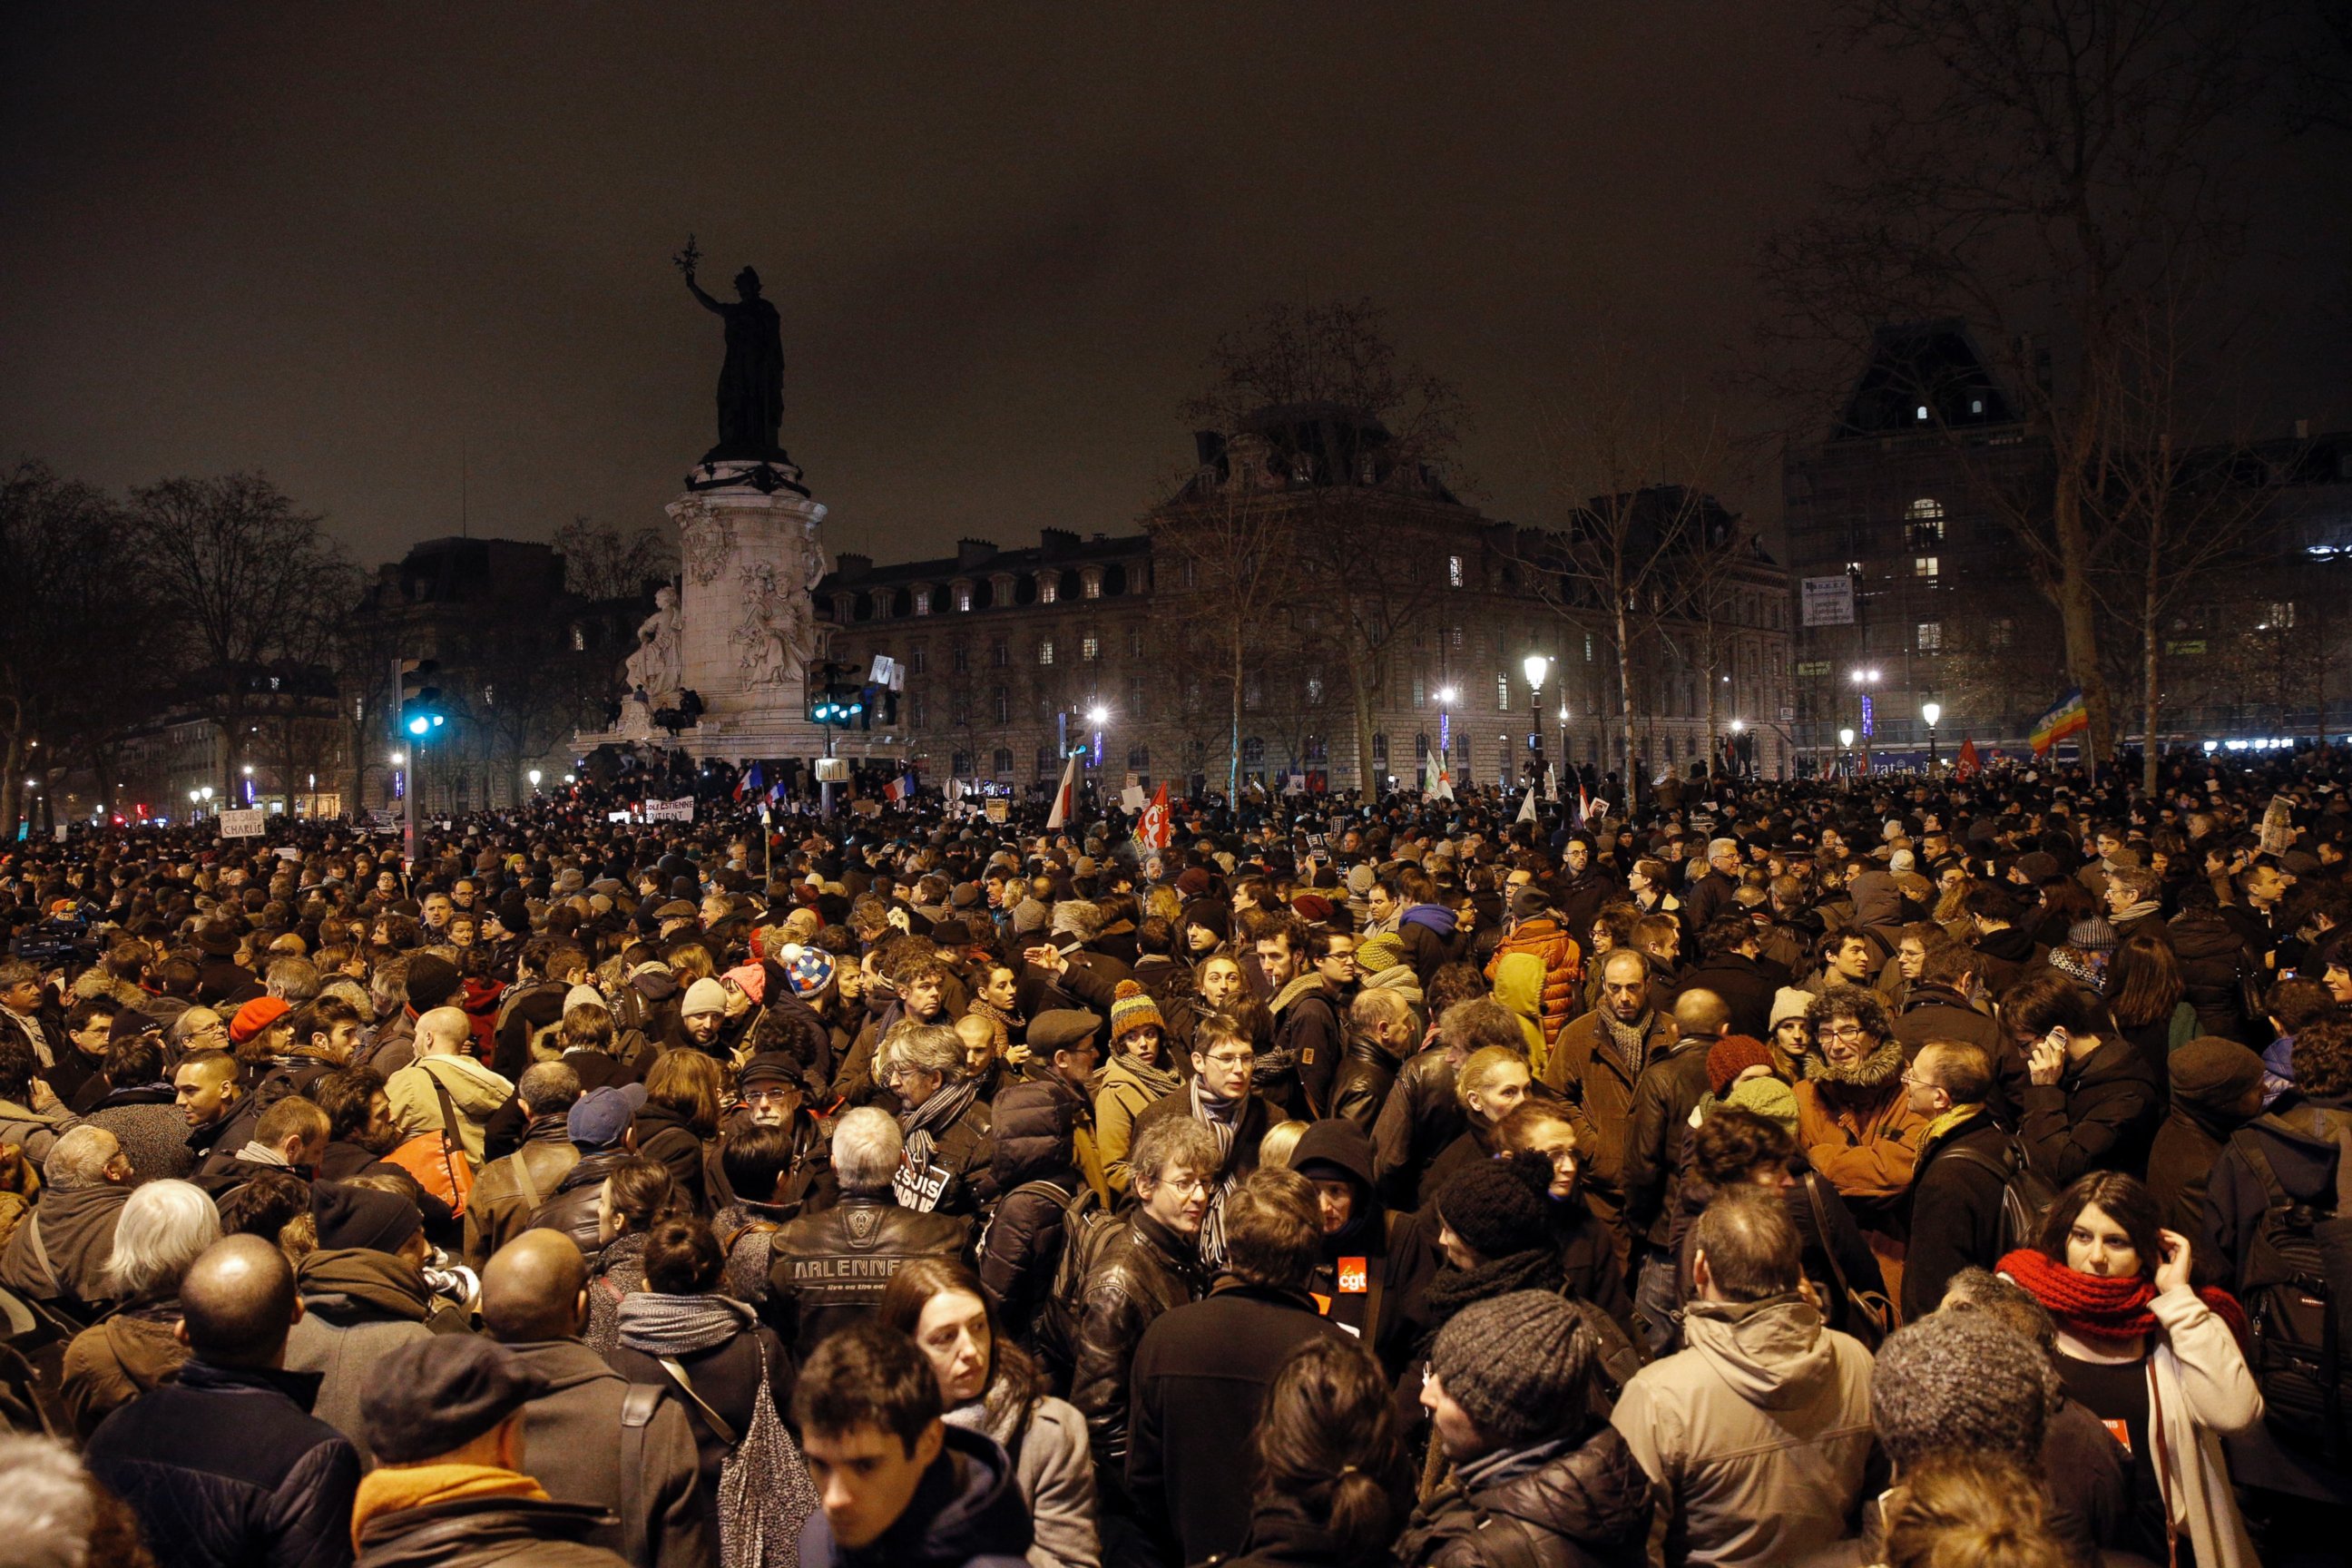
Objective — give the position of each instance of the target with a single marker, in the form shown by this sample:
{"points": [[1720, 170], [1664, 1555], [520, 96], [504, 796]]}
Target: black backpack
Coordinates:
{"points": [[2025, 1196], [2293, 1348], [1086, 1226]]}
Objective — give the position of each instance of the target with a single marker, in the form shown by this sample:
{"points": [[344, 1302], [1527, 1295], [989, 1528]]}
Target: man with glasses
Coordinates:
{"points": [[1963, 1169], [1854, 1122], [1219, 1098]]}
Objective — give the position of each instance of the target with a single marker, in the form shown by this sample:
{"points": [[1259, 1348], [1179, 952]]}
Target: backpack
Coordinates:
{"points": [[2025, 1196], [1086, 1228], [2292, 1348]]}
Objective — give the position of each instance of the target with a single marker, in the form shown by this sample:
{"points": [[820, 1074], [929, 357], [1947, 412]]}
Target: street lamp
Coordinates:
{"points": [[1931, 711], [1536, 667], [533, 777], [1845, 741]]}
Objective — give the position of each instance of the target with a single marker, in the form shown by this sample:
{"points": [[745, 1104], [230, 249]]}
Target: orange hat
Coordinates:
{"points": [[256, 1015]]}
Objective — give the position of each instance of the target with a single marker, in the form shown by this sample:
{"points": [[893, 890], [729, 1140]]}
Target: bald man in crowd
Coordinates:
{"points": [[224, 1465], [535, 1302], [441, 1068]]}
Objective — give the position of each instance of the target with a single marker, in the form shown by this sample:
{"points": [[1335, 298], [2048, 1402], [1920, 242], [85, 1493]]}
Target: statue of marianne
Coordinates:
{"points": [[751, 381]]}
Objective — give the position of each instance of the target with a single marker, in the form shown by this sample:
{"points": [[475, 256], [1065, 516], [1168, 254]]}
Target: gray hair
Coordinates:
{"points": [[927, 1047], [49, 1506], [1078, 917], [346, 989], [1178, 1141], [165, 1226], [79, 1158], [867, 1145], [294, 980], [548, 1088]]}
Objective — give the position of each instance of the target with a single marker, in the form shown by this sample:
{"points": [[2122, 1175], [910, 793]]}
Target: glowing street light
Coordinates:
{"points": [[1097, 714], [533, 777], [1931, 711]]}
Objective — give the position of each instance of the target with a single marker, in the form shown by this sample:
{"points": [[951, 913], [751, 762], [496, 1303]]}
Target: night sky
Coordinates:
{"points": [[364, 248]]}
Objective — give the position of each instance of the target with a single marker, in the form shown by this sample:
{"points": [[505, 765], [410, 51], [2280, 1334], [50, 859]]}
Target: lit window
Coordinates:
{"points": [[1046, 651], [1923, 414], [1048, 590], [1089, 647], [1315, 691], [580, 640], [1925, 508], [1931, 636], [1924, 566], [1587, 647], [1975, 405], [922, 600], [1453, 635], [963, 598], [1454, 572], [1093, 586], [1502, 692]]}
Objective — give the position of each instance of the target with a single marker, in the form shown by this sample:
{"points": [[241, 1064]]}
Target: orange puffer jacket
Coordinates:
{"points": [[1563, 968]]}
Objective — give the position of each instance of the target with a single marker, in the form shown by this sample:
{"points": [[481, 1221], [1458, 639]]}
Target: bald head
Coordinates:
{"points": [[441, 1032], [534, 1288], [1700, 1011], [236, 1303]]}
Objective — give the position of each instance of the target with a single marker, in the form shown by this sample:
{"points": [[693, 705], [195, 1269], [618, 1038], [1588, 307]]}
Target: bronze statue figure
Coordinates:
{"points": [[751, 381]]}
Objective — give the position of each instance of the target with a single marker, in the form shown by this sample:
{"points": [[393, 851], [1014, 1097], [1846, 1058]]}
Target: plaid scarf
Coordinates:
{"points": [[1633, 1040]]}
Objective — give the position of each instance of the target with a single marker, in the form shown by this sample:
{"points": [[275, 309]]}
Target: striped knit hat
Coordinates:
{"points": [[1131, 1007]]}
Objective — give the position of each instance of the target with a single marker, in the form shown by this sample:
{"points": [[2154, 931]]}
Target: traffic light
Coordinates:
{"points": [[835, 698], [420, 701]]}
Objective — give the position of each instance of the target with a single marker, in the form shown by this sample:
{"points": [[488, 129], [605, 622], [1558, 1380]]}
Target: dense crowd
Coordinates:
{"points": [[1901, 1170]]}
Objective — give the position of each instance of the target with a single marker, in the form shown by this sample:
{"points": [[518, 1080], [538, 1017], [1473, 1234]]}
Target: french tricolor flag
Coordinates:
{"points": [[900, 788]]}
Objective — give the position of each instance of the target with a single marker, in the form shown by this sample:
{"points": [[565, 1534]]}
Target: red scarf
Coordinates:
{"points": [[2102, 1307]]}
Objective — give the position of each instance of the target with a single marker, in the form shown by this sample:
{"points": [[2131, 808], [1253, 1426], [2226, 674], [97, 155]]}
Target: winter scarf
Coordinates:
{"points": [[663, 1325], [364, 1279], [1311, 981], [2139, 910], [1221, 1116], [920, 1125], [2112, 1308], [1005, 1021], [1450, 1290], [1632, 1041], [1160, 1081], [396, 1489]]}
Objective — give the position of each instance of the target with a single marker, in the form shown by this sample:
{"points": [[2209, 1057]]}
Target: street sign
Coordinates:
{"points": [[1829, 601]]}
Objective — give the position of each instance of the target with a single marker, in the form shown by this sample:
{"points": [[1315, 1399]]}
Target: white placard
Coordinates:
{"points": [[243, 824], [678, 810], [1829, 601]]}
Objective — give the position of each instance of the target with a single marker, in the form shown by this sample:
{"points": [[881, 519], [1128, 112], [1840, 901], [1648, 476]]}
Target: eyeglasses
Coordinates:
{"points": [[1187, 1185], [1850, 1032], [1227, 1059]]}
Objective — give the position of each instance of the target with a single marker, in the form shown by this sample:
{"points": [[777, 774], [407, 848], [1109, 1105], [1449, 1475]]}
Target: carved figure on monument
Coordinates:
{"points": [[656, 669], [752, 379]]}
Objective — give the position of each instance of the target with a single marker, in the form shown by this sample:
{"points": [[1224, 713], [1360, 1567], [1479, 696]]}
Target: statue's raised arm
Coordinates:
{"points": [[751, 381]]}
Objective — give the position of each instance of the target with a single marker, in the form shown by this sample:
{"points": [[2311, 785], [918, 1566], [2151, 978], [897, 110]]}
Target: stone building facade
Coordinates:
{"points": [[1124, 645]]}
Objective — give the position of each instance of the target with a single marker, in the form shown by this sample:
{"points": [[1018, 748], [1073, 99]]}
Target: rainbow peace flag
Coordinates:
{"points": [[2069, 718]]}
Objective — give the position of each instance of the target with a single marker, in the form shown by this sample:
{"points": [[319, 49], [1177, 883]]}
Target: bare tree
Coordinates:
{"points": [[602, 564], [242, 574], [2067, 162]]}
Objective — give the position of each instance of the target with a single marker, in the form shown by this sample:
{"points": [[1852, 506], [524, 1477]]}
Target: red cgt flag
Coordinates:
{"points": [[1967, 766]]}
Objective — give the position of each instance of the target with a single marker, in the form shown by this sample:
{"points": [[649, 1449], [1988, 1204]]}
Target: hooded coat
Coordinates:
{"points": [[967, 1513], [1034, 1123], [569, 1438], [1563, 971], [1758, 1436], [358, 1304], [1856, 1128], [76, 1230], [111, 1364]]}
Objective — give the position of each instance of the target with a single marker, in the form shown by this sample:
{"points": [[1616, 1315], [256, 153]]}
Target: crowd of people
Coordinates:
{"points": [[1909, 1171]]}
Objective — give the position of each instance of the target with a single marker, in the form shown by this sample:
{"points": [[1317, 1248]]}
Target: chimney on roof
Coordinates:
{"points": [[971, 553], [1056, 540], [852, 563]]}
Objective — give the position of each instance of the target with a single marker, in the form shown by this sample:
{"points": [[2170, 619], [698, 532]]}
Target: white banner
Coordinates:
{"points": [[678, 810], [243, 824], [1829, 601]]}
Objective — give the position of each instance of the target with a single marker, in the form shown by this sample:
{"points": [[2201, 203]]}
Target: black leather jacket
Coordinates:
{"points": [[830, 1269], [1144, 1269], [1587, 1505]]}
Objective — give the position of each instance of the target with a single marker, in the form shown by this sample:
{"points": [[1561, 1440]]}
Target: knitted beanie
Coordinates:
{"points": [[1499, 1206], [1375, 953], [811, 969], [2091, 935], [1790, 1003], [2209, 1070], [1958, 1382], [705, 995], [1767, 1098], [1312, 908], [1516, 1364], [1131, 1007], [1731, 1055], [1028, 916]]}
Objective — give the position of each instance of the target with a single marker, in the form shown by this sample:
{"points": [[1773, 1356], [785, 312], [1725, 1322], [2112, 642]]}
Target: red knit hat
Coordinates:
{"points": [[1731, 1055]]}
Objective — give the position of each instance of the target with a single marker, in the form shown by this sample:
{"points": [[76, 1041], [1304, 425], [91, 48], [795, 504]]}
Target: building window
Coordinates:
{"points": [[1049, 587], [1509, 761], [1315, 691], [1587, 647], [1003, 759], [960, 763], [1004, 706], [1453, 636], [1420, 693], [1380, 750], [1931, 636], [1420, 748], [1000, 653], [918, 657], [960, 660], [1047, 762], [1139, 758], [1253, 751], [1316, 750], [1134, 698], [1046, 650], [922, 600], [1135, 642], [1454, 573], [959, 714], [1250, 693], [963, 598], [1193, 696], [1502, 692], [2281, 618], [1924, 566], [1089, 648], [2000, 632], [915, 714], [579, 639], [1092, 585]]}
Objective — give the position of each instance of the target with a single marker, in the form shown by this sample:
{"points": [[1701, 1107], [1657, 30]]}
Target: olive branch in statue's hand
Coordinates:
{"points": [[687, 259]]}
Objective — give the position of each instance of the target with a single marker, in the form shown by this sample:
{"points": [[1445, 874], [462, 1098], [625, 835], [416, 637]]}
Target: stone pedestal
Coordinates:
{"points": [[748, 627]]}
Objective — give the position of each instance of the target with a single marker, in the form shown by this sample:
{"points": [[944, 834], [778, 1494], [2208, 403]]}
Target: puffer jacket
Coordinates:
{"points": [[2212, 958], [1563, 968], [1565, 1504], [1034, 1123], [1144, 1269], [225, 1466]]}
